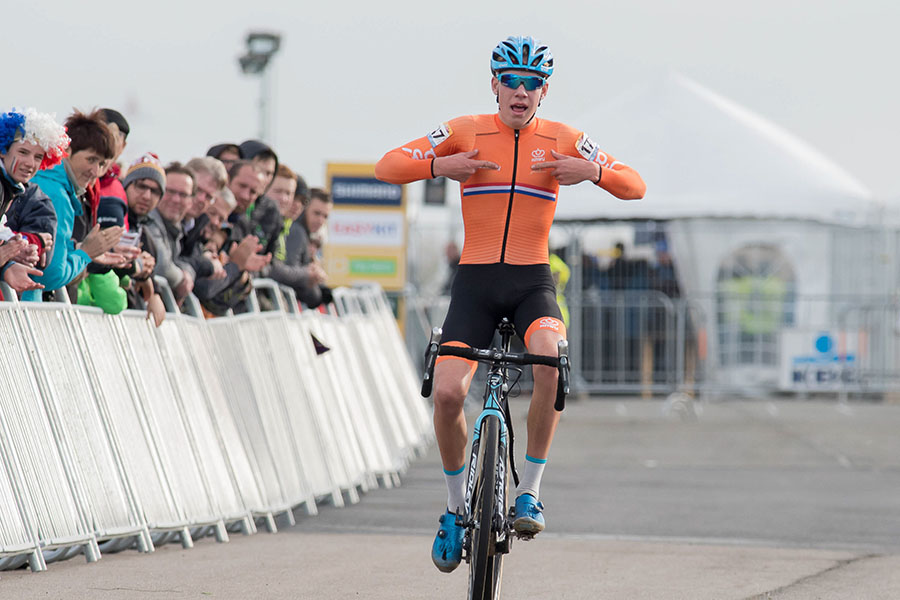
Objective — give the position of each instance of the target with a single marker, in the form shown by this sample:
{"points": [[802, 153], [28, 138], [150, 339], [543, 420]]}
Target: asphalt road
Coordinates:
{"points": [[780, 499]]}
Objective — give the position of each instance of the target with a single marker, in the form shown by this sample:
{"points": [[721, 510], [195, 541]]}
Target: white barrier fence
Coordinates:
{"points": [[115, 434]]}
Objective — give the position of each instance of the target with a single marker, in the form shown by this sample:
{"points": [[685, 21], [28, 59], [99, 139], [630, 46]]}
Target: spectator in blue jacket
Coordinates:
{"points": [[93, 146]]}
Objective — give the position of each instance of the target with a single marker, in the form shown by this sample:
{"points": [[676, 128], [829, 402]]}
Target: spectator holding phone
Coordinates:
{"points": [[103, 286]]}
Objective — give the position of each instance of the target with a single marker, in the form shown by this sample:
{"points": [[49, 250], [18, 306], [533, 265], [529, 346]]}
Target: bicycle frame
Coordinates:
{"points": [[495, 404]]}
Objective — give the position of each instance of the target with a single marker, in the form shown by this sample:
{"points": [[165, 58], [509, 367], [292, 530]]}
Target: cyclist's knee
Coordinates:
{"points": [[449, 394], [544, 375]]}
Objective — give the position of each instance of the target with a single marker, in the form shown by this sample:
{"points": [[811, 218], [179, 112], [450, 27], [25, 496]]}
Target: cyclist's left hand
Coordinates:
{"points": [[568, 170]]}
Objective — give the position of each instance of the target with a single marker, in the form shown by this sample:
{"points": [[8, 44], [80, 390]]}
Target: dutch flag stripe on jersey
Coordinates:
{"points": [[504, 188]]}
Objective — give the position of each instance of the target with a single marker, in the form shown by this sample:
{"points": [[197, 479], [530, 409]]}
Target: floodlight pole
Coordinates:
{"points": [[261, 47]]}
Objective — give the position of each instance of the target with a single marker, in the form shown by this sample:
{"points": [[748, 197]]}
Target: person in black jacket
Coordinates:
{"points": [[211, 179], [218, 296], [29, 141], [295, 264]]}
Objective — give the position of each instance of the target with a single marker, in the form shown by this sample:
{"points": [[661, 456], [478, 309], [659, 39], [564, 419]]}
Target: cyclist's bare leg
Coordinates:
{"points": [[542, 417], [451, 383]]}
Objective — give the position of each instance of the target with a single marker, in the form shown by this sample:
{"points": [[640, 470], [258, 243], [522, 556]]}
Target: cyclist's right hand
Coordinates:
{"points": [[461, 166]]}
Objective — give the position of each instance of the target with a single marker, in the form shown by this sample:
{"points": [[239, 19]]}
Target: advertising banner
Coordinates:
{"points": [[819, 360], [366, 229]]}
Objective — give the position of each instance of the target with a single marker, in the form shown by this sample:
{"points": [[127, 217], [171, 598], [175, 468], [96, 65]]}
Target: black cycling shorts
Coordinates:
{"points": [[482, 295]]}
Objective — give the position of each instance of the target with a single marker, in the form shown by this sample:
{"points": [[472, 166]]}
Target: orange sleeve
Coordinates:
{"points": [[616, 177], [412, 162]]}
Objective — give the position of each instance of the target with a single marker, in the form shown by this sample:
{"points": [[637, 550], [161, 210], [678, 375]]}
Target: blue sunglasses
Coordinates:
{"points": [[531, 82]]}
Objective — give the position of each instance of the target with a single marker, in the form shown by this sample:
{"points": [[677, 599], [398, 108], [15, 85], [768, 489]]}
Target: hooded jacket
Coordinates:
{"points": [[265, 220], [67, 262]]}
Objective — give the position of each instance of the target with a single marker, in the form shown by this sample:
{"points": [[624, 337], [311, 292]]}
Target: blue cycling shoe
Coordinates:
{"points": [[529, 520], [446, 552]]}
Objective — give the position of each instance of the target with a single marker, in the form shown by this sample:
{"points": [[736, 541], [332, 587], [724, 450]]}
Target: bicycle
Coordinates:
{"points": [[487, 516]]}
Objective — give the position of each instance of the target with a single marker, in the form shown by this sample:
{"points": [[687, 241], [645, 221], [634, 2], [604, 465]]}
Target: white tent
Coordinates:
{"points": [[702, 155], [732, 185]]}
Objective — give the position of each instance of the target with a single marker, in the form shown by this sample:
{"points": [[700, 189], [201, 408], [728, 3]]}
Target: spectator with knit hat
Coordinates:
{"points": [[145, 184]]}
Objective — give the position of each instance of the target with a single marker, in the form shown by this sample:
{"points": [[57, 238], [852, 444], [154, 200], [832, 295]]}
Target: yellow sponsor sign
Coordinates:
{"points": [[366, 228]]}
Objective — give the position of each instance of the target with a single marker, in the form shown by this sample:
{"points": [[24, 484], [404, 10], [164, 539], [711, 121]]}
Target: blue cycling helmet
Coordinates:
{"points": [[522, 52]]}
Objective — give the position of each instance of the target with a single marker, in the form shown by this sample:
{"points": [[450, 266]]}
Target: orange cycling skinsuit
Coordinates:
{"points": [[507, 213]]}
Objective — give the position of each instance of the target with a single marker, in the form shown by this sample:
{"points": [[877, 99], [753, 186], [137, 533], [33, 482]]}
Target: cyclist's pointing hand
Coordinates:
{"points": [[461, 166], [568, 170]]}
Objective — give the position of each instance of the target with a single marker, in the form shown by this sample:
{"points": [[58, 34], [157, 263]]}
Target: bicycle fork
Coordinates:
{"points": [[496, 390]]}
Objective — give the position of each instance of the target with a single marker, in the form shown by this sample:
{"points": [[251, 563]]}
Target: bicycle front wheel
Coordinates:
{"points": [[486, 563]]}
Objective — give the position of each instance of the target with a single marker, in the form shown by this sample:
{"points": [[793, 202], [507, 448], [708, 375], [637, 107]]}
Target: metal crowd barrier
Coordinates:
{"points": [[115, 434]]}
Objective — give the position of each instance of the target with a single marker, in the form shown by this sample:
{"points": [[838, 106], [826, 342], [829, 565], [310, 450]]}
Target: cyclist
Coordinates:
{"points": [[510, 165]]}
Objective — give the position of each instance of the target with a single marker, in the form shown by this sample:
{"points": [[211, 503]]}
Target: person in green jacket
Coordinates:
{"points": [[560, 272], [103, 287]]}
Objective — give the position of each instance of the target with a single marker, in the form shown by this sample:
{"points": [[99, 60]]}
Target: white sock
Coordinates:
{"points": [[456, 488], [530, 480]]}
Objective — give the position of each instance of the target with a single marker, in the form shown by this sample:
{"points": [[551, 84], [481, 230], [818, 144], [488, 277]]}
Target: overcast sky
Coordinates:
{"points": [[356, 79]]}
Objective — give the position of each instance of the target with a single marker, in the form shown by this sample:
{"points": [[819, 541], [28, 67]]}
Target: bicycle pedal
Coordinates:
{"points": [[525, 535]]}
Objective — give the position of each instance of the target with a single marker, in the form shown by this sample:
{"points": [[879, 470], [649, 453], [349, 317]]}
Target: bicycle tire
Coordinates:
{"points": [[485, 566]]}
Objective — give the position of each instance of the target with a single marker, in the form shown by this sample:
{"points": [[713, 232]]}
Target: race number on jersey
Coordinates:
{"points": [[439, 135], [586, 147]]}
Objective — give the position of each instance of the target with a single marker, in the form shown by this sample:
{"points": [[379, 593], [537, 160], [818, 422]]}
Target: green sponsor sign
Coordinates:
{"points": [[373, 266]]}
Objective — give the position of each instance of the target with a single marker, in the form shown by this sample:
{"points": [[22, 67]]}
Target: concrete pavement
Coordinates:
{"points": [[750, 500]]}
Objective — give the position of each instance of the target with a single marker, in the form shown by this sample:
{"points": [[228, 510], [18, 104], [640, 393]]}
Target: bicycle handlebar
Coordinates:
{"points": [[494, 355]]}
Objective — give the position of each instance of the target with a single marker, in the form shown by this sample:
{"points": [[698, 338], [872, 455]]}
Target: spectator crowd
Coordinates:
{"points": [[74, 220]]}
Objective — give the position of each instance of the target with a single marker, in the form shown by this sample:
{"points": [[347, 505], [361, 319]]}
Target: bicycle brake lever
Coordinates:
{"points": [[430, 358]]}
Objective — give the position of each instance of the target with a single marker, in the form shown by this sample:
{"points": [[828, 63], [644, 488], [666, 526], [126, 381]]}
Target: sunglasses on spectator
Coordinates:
{"points": [[531, 82], [143, 187]]}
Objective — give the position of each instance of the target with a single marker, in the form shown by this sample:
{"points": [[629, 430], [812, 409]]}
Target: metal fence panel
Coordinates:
{"points": [[331, 375], [381, 450], [380, 319], [199, 346], [204, 440], [296, 388], [47, 498], [18, 534], [165, 422], [242, 402], [265, 379], [321, 409]]}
